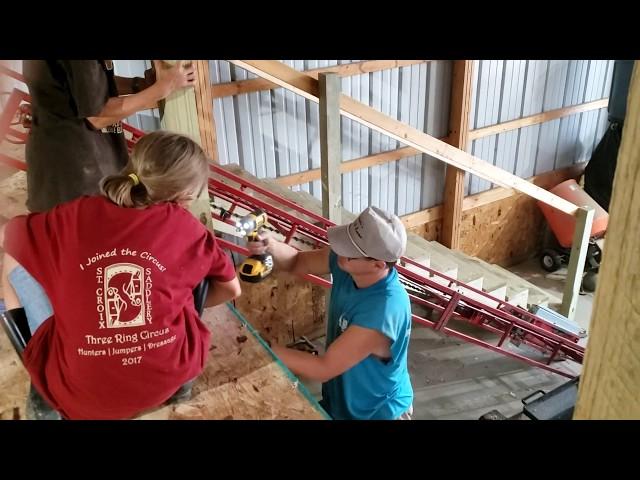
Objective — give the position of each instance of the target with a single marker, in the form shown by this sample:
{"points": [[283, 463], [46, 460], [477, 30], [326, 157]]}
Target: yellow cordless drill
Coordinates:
{"points": [[257, 267]]}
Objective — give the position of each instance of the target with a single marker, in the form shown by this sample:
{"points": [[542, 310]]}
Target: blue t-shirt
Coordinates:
{"points": [[374, 389]]}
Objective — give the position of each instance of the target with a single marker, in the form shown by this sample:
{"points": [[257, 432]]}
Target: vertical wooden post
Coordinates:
{"points": [[458, 137], [330, 150], [610, 381], [180, 114], [584, 221], [204, 107]]}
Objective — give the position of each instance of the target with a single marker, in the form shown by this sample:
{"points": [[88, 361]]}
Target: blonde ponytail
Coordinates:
{"points": [[163, 167]]}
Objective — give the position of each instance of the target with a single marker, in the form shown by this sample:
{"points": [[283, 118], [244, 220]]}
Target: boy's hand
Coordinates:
{"points": [[260, 245]]}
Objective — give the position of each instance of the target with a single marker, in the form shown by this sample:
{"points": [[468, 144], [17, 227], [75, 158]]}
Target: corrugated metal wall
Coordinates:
{"points": [[512, 89], [275, 133], [147, 120]]}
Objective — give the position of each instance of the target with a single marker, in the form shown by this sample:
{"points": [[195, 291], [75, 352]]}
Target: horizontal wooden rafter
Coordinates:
{"points": [[537, 118], [350, 165], [238, 87], [544, 180]]}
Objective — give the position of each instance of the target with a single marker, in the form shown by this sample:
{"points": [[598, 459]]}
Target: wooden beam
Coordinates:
{"points": [[536, 119], [307, 87], [610, 381], [180, 114], [423, 216], [452, 212], [204, 107], [458, 137], [220, 90], [580, 243], [545, 180], [330, 146], [350, 166]]}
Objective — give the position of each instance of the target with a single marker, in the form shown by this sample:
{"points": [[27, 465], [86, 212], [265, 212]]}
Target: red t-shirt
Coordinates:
{"points": [[125, 334]]}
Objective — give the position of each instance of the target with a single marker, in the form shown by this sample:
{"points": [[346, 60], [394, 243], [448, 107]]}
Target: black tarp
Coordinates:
{"points": [[599, 173]]}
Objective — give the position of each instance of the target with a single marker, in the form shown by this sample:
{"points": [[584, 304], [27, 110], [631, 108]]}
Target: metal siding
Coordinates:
{"points": [[360, 144], [567, 149], [528, 88], [603, 116], [436, 121], [284, 127], [511, 107], [525, 166], [547, 146], [225, 114], [533, 98], [313, 138], [346, 139], [392, 144], [404, 103], [549, 132], [487, 113], [147, 120], [384, 94], [418, 85], [409, 169], [280, 136], [378, 194], [281, 140], [244, 126], [257, 135], [475, 79], [365, 133], [588, 125]]}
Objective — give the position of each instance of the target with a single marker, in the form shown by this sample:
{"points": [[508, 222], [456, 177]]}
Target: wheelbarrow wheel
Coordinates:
{"points": [[550, 260]]}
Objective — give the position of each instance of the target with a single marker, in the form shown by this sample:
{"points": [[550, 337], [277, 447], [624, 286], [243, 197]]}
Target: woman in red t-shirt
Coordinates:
{"points": [[106, 284]]}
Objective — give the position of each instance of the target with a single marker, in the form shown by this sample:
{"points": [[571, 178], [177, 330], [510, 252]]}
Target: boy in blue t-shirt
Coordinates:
{"points": [[364, 370]]}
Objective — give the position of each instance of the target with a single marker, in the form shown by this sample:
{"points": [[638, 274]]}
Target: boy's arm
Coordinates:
{"points": [[288, 259], [354, 345]]}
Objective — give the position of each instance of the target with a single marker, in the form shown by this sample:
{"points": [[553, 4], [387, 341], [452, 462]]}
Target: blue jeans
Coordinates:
{"points": [[37, 309], [35, 302]]}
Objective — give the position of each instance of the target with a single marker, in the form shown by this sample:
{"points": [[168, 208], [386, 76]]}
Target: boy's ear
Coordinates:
{"points": [[380, 264]]}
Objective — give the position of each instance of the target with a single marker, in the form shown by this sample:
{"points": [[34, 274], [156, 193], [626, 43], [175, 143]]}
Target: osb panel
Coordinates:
{"points": [[501, 200], [504, 232], [13, 195], [14, 381], [282, 307], [13, 150], [429, 231], [240, 381], [13, 198], [264, 394]]}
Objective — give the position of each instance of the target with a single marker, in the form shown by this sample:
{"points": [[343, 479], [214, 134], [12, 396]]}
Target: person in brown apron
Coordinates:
{"points": [[76, 136]]}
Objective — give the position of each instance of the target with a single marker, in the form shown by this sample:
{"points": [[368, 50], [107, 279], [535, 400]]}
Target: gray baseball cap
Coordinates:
{"points": [[375, 234]]}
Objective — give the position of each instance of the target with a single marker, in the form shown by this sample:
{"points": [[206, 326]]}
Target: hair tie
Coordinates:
{"points": [[134, 177]]}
